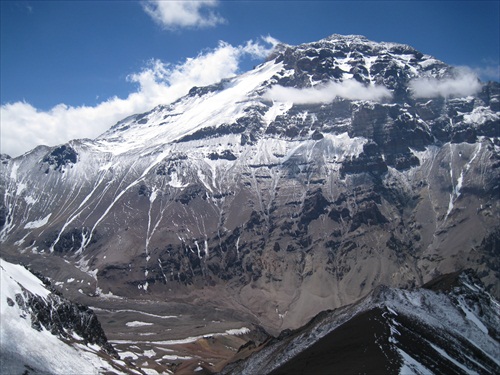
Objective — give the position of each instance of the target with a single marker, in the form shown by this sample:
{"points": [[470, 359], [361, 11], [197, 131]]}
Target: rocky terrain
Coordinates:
{"points": [[303, 185], [42, 332], [450, 326]]}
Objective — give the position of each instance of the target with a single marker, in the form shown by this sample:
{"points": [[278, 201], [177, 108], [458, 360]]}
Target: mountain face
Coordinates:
{"points": [[448, 327], [296, 187], [43, 333]]}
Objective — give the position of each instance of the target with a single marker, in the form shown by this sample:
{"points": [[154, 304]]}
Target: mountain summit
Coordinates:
{"points": [[330, 169]]}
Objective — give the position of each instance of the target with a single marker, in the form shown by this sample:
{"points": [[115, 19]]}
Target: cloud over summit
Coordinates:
{"points": [[348, 89], [464, 83]]}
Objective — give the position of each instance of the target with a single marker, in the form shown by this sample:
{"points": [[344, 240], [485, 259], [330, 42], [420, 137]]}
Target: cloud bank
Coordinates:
{"points": [[183, 14], [349, 89], [464, 83], [23, 126]]}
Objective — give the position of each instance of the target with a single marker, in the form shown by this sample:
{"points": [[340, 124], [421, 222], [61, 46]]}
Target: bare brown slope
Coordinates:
{"points": [[351, 348]]}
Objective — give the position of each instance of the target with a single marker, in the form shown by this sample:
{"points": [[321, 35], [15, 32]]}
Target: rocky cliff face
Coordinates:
{"points": [[62, 318], [330, 169]]}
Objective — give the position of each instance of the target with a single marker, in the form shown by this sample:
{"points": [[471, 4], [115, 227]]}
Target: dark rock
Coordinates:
{"points": [[464, 135], [365, 163], [3, 214], [248, 345], [315, 205], [200, 91], [4, 159], [144, 190], [317, 135], [226, 155], [61, 156], [247, 123], [368, 214], [368, 121], [63, 318], [71, 240], [339, 215], [254, 221], [162, 170], [402, 161], [190, 193]]}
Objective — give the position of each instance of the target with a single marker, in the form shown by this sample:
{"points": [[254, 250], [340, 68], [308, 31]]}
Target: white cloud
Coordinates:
{"points": [[172, 14], [23, 126], [258, 50], [489, 72], [464, 83], [349, 89]]}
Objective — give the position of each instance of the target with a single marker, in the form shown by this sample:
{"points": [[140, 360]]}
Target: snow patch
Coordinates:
{"points": [[37, 223], [481, 115], [238, 331], [149, 353], [452, 360], [131, 355], [191, 114], [14, 275], [277, 109], [411, 366], [22, 345], [472, 317], [173, 357], [176, 182], [137, 323], [30, 200], [188, 340]]}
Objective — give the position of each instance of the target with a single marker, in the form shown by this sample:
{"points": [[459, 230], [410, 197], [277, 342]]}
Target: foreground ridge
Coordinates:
{"points": [[392, 331], [42, 332]]}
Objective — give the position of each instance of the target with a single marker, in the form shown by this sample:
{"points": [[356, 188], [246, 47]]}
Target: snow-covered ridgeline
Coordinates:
{"points": [[438, 310], [189, 114], [15, 278], [22, 347], [449, 316], [114, 176]]}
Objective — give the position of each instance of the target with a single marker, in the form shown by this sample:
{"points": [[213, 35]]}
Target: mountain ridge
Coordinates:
{"points": [[278, 208], [438, 328]]}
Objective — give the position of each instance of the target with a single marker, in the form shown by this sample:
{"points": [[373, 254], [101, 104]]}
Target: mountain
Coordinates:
{"points": [[303, 185], [451, 326], [43, 333]]}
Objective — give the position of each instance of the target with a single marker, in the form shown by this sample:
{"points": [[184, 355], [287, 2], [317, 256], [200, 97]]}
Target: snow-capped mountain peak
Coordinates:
{"points": [[352, 60], [332, 168]]}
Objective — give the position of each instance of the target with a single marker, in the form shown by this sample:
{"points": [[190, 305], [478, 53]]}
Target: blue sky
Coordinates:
{"points": [[90, 60]]}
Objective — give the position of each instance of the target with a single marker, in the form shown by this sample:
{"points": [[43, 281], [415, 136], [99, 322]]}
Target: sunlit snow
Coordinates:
{"points": [[37, 223], [21, 345]]}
